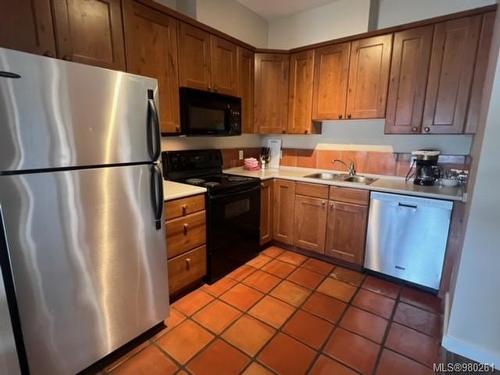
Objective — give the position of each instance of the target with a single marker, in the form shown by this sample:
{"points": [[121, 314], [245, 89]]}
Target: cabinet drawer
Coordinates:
{"points": [[185, 233], [186, 269], [356, 196], [184, 206], [312, 190]]}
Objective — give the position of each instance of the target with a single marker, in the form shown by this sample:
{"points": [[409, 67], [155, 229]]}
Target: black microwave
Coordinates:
{"points": [[209, 113]]}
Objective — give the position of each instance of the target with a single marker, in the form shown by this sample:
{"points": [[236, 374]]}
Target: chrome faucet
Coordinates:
{"points": [[350, 168]]}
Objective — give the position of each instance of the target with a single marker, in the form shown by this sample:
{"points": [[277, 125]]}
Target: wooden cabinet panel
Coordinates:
{"points": [[184, 206], [151, 40], [271, 92], [346, 232], [194, 57], [223, 66], [331, 73], [483, 53], [187, 268], [369, 77], [349, 195], [300, 92], [284, 204], [266, 212], [310, 223], [90, 32], [27, 26], [246, 88], [450, 74], [311, 190], [185, 233], [409, 69]]}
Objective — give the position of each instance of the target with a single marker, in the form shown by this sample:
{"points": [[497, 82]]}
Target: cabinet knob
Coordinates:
{"points": [[331, 205], [177, 129], [323, 203], [349, 116], [186, 228], [306, 131], [262, 185], [340, 117], [283, 131], [188, 263], [414, 129], [184, 209], [427, 129]]}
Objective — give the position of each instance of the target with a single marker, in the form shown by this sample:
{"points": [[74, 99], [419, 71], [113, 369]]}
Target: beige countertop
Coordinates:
{"points": [[174, 190], [387, 184]]}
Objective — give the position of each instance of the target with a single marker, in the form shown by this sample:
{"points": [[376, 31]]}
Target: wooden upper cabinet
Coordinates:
{"points": [[450, 74], [266, 211], [483, 53], [310, 223], [342, 241], [151, 40], [331, 73], [271, 92], [300, 92], [409, 69], [223, 66], [27, 26], [194, 57], [90, 32], [369, 77], [246, 88], [284, 203]]}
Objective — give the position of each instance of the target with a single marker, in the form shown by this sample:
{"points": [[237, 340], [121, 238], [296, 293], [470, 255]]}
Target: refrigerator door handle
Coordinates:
{"points": [[153, 129], [157, 194]]}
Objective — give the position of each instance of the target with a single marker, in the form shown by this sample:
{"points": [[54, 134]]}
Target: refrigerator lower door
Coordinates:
{"points": [[88, 262], [56, 114]]}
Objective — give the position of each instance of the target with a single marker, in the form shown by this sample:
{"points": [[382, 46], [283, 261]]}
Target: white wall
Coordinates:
{"points": [[337, 19], [474, 322], [234, 19], [396, 12]]}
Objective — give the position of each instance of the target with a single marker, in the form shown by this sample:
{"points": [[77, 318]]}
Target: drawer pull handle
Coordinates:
{"points": [[188, 263], [184, 209], [186, 227]]}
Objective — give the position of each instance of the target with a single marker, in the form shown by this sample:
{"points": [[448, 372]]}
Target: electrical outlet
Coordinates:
{"points": [[240, 154]]}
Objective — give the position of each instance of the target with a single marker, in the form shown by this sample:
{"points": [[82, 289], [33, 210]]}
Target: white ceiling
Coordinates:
{"points": [[270, 9]]}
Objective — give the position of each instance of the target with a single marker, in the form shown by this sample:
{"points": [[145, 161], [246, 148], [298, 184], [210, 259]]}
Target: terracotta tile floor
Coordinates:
{"points": [[285, 313]]}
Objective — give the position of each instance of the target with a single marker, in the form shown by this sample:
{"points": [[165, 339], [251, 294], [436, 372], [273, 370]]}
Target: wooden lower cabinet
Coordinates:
{"points": [[284, 203], [186, 241], [346, 232], [186, 269], [310, 223], [266, 212]]}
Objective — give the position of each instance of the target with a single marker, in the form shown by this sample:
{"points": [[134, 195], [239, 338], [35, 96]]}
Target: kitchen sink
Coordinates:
{"points": [[327, 176], [342, 177]]}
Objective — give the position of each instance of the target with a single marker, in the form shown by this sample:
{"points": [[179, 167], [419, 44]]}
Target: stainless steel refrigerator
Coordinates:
{"points": [[81, 208]]}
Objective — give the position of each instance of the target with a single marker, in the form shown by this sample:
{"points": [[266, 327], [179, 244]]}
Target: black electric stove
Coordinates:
{"points": [[232, 205]]}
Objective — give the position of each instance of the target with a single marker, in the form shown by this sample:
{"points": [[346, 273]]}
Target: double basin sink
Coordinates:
{"points": [[342, 177]]}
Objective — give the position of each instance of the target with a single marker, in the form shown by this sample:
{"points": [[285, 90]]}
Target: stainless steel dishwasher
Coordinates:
{"points": [[407, 237]]}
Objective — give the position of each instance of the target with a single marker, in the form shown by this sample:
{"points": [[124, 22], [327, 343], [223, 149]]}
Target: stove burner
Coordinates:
{"points": [[195, 181], [211, 184], [236, 179]]}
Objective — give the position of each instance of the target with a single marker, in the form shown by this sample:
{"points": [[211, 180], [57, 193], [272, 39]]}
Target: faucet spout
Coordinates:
{"points": [[351, 170]]}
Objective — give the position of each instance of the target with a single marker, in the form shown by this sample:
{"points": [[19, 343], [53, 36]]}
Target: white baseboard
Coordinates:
{"points": [[471, 351]]}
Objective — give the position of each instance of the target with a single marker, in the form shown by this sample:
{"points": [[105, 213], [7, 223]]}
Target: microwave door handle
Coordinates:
{"points": [[157, 194], [153, 129]]}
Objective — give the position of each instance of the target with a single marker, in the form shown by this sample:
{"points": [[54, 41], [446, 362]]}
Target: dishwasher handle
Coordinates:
{"points": [[412, 206]]}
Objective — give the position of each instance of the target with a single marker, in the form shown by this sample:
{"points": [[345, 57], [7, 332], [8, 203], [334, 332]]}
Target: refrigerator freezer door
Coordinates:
{"points": [[88, 263], [56, 114]]}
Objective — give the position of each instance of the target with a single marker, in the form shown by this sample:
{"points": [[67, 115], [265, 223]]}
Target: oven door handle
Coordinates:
{"points": [[236, 193]]}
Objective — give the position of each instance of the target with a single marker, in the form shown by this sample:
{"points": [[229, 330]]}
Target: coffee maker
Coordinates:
{"points": [[427, 172]]}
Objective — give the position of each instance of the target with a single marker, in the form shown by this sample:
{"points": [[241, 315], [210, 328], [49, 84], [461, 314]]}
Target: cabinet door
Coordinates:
{"points": [[27, 26], [223, 66], [151, 40], [300, 92], [194, 57], [271, 92], [90, 32], [346, 232], [368, 77], [483, 53], [245, 88], [331, 77], [409, 69], [310, 223], [266, 212], [284, 203], [450, 74]]}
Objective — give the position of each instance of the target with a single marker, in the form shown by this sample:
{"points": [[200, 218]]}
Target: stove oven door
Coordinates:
{"points": [[233, 230]]}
